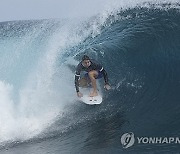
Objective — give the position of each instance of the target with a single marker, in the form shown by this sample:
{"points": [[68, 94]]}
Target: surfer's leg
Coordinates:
{"points": [[83, 82], [92, 75], [88, 80]]}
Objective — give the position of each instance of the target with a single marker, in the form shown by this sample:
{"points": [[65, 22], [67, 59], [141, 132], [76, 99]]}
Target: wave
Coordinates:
{"points": [[139, 48]]}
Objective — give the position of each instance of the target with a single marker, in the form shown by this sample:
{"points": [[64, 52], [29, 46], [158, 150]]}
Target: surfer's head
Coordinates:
{"points": [[86, 61]]}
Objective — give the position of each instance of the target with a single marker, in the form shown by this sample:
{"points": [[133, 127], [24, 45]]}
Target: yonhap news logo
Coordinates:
{"points": [[129, 139]]}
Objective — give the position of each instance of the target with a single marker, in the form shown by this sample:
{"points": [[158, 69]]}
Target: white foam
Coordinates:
{"points": [[29, 109]]}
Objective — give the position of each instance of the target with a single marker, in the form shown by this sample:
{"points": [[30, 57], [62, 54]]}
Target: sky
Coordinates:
{"points": [[45, 9]]}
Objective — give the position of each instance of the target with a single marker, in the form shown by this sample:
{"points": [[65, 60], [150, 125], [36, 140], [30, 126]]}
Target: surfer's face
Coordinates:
{"points": [[86, 63]]}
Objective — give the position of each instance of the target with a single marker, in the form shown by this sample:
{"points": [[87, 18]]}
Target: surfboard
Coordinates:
{"points": [[91, 100]]}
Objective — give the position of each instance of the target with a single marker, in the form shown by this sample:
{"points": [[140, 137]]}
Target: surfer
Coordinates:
{"points": [[94, 71]]}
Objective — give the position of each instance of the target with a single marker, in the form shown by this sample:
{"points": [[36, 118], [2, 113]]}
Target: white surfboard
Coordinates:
{"points": [[91, 100]]}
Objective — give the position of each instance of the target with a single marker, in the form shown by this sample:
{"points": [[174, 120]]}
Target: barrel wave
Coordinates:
{"points": [[140, 49]]}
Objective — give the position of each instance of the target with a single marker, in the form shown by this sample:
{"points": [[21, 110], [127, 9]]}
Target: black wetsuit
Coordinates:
{"points": [[94, 66]]}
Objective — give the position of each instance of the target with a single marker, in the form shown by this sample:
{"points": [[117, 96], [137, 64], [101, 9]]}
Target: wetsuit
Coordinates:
{"points": [[94, 66]]}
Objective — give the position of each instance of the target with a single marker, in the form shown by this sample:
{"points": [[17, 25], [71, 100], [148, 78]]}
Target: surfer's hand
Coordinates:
{"points": [[107, 87], [79, 94]]}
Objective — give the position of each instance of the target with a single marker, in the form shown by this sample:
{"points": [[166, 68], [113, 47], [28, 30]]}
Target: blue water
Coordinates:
{"points": [[139, 48]]}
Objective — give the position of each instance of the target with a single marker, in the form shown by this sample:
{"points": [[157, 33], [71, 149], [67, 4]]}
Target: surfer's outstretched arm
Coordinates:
{"points": [[105, 76], [76, 81], [104, 73], [106, 86]]}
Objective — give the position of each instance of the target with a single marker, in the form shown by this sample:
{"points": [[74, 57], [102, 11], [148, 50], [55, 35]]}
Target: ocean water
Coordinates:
{"points": [[137, 42]]}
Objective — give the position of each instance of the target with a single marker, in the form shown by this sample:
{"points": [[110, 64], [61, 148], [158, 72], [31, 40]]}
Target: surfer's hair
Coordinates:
{"points": [[85, 57]]}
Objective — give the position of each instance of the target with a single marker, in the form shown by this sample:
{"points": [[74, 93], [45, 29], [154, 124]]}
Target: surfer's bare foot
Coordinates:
{"points": [[94, 93]]}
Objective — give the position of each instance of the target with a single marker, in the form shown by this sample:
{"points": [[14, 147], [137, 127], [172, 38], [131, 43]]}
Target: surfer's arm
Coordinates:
{"points": [[106, 86], [77, 76], [76, 82], [104, 75], [102, 70]]}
